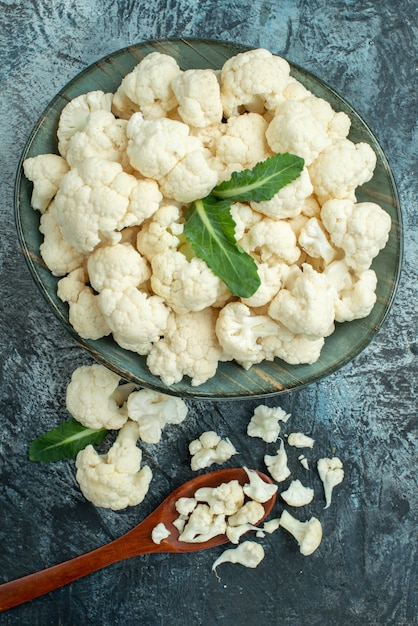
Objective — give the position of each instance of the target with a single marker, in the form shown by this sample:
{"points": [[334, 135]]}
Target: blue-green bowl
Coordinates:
{"points": [[231, 381]]}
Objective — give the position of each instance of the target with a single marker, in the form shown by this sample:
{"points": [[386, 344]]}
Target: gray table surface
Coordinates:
{"points": [[365, 572]]}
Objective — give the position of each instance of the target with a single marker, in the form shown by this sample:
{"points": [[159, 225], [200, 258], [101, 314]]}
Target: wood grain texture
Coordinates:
{"points": [[365, 572]]}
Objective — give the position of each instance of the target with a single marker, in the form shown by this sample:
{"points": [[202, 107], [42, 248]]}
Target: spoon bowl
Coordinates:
{"points": [[134, 543]]}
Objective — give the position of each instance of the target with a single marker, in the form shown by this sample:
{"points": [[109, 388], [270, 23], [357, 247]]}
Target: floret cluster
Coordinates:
{"points": [[130, 163]]}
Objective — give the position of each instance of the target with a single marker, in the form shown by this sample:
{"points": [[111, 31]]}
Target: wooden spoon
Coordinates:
{"points": [[135, 542]]}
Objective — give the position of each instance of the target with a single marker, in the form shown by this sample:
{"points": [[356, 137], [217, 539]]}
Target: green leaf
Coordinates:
{"points": [[210, 230], [263, 181], [64, 441]]}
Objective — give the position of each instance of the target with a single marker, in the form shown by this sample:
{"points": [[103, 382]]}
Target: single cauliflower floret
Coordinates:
{"points": [[253, 81], [244, 218], [272, 278], [153, 410], [162, 232], [208, 449], [46, 172], [277, 464], [289, 201], [265, 422], [186, 286], [361, 230], [239, 332], [258, 489], [290, 347], [250, 513], [340, 168], [226, 499], [117, 267], [59, 256], [271, 241], [190, 179], [148, 88], [198, 94], [313, 239], [306, 307], [189, 348], [300, 440], [114, 480], [93, 398], [84, 313], [356, 291], [75, 115], [135, 319], [297, 494], [248, 554], [296, 129], [331, 473]]}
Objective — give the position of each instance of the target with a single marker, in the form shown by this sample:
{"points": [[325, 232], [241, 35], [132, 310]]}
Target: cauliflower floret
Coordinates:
{"points": [[156, 146], [135, 319], [271, 280], [93, 398], [117, 267], [340, 168], [103, 135], [277, 464], [290, 347], [46, 172], [189, 348], [148, 88], [361, 230], [307, 306], [114, 480], [199, 97], [250, 513], [203, 525], [92, 203], [313, 239], [248, 553], [297, 494], [244, 218], [226, 499], [153, 410], [296, 129], [331, 473], [253, 80], [208, 449], [162, 232], [84, 313], [265, 422], [59, 256], [239, 333], [289, 201], [356, 291], [272, 241], [190, 179], [258, 489], [300, 440], [186, 286], [76, 113]]}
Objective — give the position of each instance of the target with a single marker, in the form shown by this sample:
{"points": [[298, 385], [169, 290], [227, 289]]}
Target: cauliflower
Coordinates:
{"points": [[186, 286], [271, 281], [93, 398], [258, 489], [189, 348], [307, 307], [75, 115], [361, 230], [239, 332], [290, 347], [296, 129], [250, 513], [331, 473], [199, 99], [277, 464], [356, 291], [254, 81], [159, 533], [152, 411], [46, 172], [265, 422], [340, 168], [271, 241], [299, 440], [248, 553], [226, 499], [59, 256], [289, 201], [84, 312], [190, 179], [313, 239], [117, 267], [202, 525], [297, 494], [135, 319], [114, 480], [209, 448], [308, 534], [160, 233], [148, 88]]}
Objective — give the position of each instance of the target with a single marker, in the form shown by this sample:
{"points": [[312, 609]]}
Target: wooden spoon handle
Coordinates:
{"points": [[34, 585]]}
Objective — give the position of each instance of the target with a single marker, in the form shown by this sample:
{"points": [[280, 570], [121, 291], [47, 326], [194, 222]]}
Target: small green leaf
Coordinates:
{"points": [[263, 181], [210, 230], [64, 441]]}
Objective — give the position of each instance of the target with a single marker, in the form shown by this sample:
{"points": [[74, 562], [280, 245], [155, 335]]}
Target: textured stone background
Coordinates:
{"points": [[365, 572]]}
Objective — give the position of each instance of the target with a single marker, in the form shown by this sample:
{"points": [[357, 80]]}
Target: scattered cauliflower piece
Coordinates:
{"points": [[208, 449], [277, 464], [153, 410], [202, 525], [159, 533], [308, 534], [248, 553], [114, 480], [265, 422], [93, 398], [303, 461], [258, 489], [299, 440], [331, 473], [297, 494], [46, 172]]}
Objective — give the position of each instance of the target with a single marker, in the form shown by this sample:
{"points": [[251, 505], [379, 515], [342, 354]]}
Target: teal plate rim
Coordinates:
{"points": [[231, 381]]}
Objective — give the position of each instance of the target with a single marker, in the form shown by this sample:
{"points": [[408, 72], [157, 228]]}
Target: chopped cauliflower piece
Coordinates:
{"points": [[160, 532], [199, 97], [308, 534], [153, 410], [299, 440], [248, 553], [265, 422], [258, 489], [46, 172], [331, 473], [297, 494], [277, 464], [226, 499], [208, 449]]}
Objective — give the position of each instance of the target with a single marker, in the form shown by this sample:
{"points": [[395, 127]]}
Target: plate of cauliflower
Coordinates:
{"points": [[130, 144]]}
